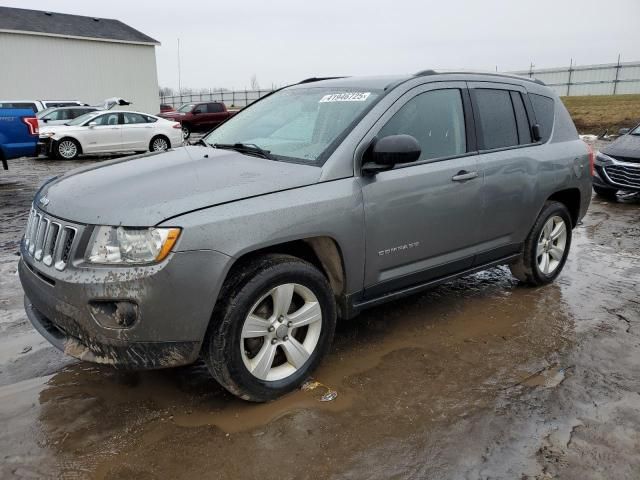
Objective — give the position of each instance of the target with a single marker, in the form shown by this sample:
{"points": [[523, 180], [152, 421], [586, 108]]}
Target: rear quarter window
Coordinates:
{"points": [[543, 107], [497, 118]]}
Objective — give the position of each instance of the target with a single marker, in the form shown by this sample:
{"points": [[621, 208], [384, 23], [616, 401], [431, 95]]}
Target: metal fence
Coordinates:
{"points": [[237, 99], [604, 79]]}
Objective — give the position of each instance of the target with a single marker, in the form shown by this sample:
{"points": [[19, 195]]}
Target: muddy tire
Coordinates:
{"points": [[273, 324], [546, 248], [608, 193]]}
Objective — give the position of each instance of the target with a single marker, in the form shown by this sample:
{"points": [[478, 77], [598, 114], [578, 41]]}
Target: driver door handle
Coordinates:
{"points": [[463, 176]]}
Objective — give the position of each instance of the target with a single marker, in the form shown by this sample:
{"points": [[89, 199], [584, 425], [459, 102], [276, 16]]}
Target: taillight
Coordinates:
{"points": [[176, 125], [32, 123], [592, 159]]}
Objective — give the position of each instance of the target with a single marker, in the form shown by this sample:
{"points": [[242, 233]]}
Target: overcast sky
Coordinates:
{"points": [[224, 43]]}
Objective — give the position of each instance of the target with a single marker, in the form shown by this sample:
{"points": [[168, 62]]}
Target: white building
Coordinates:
{"points": [[55, 56]]}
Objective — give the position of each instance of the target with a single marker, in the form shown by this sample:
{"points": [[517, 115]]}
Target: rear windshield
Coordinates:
{"points": [[301, 125]]}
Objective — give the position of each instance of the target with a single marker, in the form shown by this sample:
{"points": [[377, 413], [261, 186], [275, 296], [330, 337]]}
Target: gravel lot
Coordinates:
{"points": [[479, 378]]}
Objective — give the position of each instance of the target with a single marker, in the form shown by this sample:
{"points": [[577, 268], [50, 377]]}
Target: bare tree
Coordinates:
{"points": [[167, 92], [254, 82]]}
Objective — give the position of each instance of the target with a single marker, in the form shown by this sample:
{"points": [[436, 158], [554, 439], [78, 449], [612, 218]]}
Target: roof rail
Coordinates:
{"points": [[317, 79], [424, 73]]}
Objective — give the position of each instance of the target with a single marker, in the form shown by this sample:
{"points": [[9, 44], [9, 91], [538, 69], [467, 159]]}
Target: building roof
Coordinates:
{"points": [[75, 26]]}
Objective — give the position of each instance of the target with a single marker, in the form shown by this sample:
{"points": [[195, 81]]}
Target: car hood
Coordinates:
{"points": [[627, 147], [48, 127], [171, 114], [147, 189]]}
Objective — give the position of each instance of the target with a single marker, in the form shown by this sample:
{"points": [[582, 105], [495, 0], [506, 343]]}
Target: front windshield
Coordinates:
{"points": [[82, 118], [41, 114], [187, 107], [636, 131], [297, 124]]}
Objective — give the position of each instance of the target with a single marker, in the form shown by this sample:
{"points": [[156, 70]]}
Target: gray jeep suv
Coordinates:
{"points": [[317, 201]]}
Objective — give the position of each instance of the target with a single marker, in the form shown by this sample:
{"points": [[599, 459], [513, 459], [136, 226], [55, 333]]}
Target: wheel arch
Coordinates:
{"points": [[323, 252], [571, 199]]}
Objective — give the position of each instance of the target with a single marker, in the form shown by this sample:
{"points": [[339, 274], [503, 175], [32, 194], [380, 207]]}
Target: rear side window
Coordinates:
{"points": [[435, 119], [497, 118], [543, 107], [215, 108]]}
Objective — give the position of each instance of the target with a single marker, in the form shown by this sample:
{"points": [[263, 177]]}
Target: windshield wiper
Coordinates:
{"points": [[248, 148]]}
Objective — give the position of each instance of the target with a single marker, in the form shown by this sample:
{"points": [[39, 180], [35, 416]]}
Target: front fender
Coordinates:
{"points": [[330, 209]]}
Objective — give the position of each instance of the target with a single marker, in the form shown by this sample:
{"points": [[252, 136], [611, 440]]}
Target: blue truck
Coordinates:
{"points": [[18, 134]]}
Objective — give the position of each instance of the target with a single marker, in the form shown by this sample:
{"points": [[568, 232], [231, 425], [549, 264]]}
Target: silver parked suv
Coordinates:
{"points": [[317, 201]]}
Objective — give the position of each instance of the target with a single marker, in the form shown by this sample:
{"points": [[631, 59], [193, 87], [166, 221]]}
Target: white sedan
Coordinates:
{"points": [[110, 132]]}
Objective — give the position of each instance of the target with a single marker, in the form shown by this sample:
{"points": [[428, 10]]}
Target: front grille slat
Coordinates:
{"points": [[48, 240], [50, 243], [623, 175]]}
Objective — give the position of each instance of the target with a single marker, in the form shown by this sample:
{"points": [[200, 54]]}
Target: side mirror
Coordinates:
{"points": [[536, 133], [92, 124], [389, 151], [624, 131]]}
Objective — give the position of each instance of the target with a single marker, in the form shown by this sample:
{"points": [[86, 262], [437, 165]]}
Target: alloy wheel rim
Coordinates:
{"points": [[281, 332], [159, 144], [67, 149], [551, 245]]}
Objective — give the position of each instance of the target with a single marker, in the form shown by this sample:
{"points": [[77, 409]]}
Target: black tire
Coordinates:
{"points": [[159, 138], [608, 193], [64, 153], [223, 349], [186, 131], [526, 268]]}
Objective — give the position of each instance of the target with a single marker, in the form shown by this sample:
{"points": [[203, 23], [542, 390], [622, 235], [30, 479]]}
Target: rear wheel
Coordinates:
{"points": [[546, 248], [275, 323], [67, 149], [186, 131], [159, 143], [608, 193]]}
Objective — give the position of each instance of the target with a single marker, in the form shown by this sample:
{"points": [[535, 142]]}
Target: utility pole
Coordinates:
{"points": [[570, 75], [615, 82], [179, 73]]}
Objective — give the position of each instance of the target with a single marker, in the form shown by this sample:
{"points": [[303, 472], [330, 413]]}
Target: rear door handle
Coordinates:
{"points": [[463, 176]]}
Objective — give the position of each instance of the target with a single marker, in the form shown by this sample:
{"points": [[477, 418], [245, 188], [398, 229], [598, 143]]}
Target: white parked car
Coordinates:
{"points": [[110, 132]]}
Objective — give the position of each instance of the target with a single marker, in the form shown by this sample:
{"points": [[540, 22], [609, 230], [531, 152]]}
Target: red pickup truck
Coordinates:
{"points": [[199, 117]]}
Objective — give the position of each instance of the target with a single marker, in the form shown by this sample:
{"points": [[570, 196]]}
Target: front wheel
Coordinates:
{"points": [[608, 193], [546, 248], [275, 323], [67, 149]]}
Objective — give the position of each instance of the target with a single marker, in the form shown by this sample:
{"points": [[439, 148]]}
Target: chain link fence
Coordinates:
{"points": [[232, 99]]}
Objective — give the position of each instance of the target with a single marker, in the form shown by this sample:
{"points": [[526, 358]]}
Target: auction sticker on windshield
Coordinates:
{"points": [[345, 97]]}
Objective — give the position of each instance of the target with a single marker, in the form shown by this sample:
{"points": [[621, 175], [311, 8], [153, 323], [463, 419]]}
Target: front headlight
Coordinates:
{"points": [[127, 245], [603, 159]]}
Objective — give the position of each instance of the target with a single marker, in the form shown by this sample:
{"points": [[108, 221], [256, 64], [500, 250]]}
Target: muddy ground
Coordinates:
{"points": [[480, 378]]}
